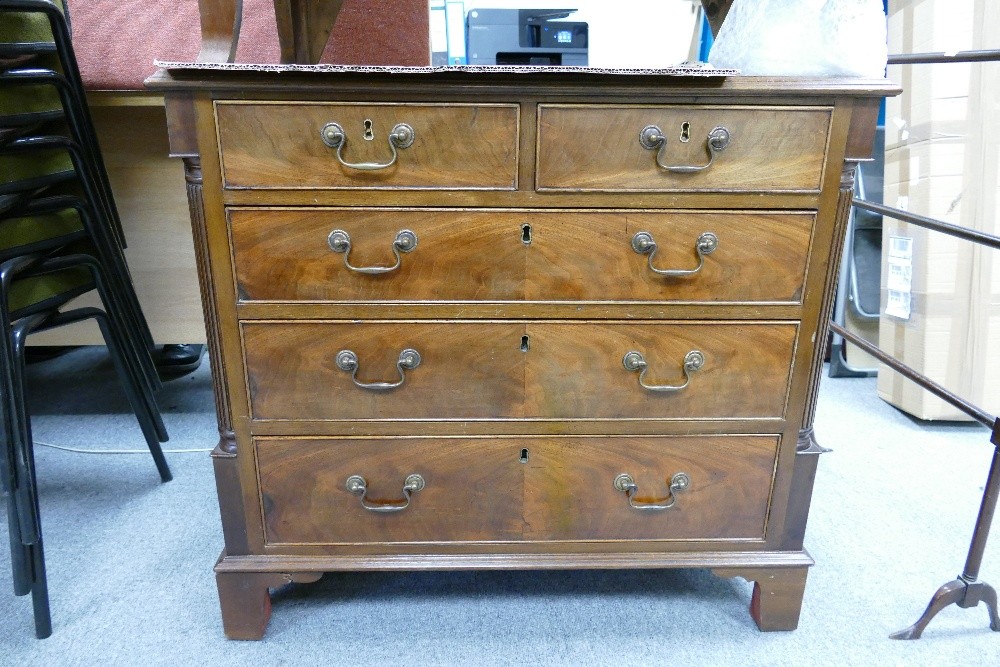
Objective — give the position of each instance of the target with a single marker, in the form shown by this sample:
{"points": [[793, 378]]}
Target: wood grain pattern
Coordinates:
{"points": [[455, 146], [480, 255], [570, 493], [483, 489], [292, 374], [516, 370], [597, 148], [575, 370], [588, 256], [473, 490], [284, 255]]}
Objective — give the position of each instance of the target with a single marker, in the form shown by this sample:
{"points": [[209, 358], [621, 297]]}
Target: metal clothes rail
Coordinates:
{"points": [[966, 591]]}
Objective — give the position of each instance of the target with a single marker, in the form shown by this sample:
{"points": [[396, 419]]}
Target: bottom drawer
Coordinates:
{"points": [[344, 491]]}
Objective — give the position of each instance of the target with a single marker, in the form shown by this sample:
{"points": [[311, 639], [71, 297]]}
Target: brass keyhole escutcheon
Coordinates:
{"points": [[685, 131], [526, 234], [524, 455], [525, 344], [369, 135]]}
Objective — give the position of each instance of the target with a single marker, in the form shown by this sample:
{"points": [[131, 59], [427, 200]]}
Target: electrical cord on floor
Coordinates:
{"points": [[116, 451]]}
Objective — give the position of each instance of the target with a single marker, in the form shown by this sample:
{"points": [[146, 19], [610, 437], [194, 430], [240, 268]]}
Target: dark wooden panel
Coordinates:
{"points": [[460, 255], [597, 148], [576, 370], [588, 256], [473, 490], [478, 255], [524, 489], [512, 370], [454, 146], [467, 370], [570, 493]]}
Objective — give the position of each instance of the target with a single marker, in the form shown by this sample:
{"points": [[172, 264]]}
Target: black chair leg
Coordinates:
{"points": [[40, 591], [149, 417], [26, 493], [146, 411], [20, 557]]}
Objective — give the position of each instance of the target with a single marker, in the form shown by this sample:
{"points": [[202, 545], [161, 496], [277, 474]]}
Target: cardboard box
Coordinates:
{"points": [[941, 295]]}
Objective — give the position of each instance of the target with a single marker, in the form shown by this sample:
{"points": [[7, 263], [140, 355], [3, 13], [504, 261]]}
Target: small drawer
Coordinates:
{"points": [[480, 255], [368, 146], [351, 491], [515, 370], [676, 149]]}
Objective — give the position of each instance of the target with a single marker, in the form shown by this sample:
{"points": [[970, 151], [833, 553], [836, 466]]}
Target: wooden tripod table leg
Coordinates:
{"points": [[777, 595], [958, 592], [246, 600]]}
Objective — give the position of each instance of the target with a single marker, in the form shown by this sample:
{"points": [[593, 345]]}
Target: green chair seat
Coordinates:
{"points": [[16, 167], [21, 100], [33, 290], [27, 27], [17, 232]]}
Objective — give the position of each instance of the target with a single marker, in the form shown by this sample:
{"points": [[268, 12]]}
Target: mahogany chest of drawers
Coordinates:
{"points": [[515, 320]]}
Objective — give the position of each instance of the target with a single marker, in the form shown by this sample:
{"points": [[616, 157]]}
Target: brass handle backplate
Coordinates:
{"points": [[652, 138], [705, 244], [348, 361], [340, 242], [333, 135], [357, 485], [626, 484], [634, 361]]}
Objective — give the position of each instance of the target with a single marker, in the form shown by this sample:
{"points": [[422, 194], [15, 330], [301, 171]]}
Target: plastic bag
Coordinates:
{"points": [[803, 38]]}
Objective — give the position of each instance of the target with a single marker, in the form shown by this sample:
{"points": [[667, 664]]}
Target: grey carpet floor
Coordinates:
{"points": [[130, 560]]}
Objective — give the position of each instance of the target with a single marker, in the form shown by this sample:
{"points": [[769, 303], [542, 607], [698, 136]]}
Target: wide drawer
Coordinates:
{"points": [[481, 255], [292, 145], [605, 148], [511, 370], [348, 491]]}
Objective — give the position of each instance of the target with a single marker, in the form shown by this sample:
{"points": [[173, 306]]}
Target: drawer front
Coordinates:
{"points": [[477, 255], [286, 255], [292, 370], [511, 370], [514, 489], [761, 149], [453, 146], [578, 370]]}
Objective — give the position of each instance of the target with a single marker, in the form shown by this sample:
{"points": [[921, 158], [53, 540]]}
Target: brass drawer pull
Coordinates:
{"points": [[357, 485], [652, 138], [634, 361], [333, 135], [348, 361], [627, 485], [705, 244], [340, 242]]}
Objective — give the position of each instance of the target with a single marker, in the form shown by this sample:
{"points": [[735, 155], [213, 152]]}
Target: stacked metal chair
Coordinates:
{"points": [[60, 237]]}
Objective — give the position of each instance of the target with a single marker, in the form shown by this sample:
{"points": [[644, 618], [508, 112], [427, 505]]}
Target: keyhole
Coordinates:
{"points": [[368, 130], [685, 131], [524, 343], [526, 234], [524, 455]]}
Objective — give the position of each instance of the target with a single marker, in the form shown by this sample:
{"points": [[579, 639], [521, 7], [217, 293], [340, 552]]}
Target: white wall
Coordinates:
{"points": [[624, 33]]}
